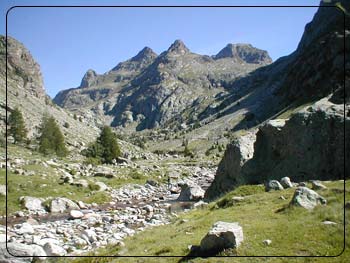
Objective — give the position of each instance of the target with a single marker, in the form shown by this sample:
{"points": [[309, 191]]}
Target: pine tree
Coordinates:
{"points": [[17, 126], [51, 139], [105, 148], [109, 143]]}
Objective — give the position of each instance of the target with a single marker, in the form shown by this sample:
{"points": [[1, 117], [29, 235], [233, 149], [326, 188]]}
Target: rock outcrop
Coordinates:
{"points": [[22, 67], [308, 146], [244, 53], [229, 173]]}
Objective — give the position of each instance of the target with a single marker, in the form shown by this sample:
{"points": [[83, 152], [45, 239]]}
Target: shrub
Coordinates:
{"points": [[188, 152], [66, 125]]}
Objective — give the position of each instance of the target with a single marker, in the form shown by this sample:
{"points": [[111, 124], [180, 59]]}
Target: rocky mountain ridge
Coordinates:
{"points": [[151, 97]]}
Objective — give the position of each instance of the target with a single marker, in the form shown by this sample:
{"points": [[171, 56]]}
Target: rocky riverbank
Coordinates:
{"points": [[60, 226]]}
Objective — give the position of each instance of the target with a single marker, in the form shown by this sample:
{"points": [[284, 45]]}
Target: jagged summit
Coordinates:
{"points": [[88, 79], [178, 47], [145, 54], [244, 53]]}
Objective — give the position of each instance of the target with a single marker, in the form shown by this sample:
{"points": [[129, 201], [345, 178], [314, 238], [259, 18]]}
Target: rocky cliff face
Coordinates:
{"points": [[308, 146], [148, 91], [25, 90], [22, 66]]}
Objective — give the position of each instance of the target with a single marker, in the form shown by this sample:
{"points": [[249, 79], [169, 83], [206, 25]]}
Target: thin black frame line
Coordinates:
{"points": [[197, 6]]}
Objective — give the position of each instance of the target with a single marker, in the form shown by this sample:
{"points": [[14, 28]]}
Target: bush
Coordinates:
{"points": [[17, 126], [105, 148], [66, 125], [51, 140], [2, 141], [188, 152]]}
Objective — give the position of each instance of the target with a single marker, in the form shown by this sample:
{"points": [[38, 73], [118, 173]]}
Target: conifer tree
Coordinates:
{"points": [[109, 143], [17, 126], [105, 148], [51, 139]]}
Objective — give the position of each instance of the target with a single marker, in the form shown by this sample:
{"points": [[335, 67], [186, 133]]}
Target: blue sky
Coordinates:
{"points": [[66, 42]]}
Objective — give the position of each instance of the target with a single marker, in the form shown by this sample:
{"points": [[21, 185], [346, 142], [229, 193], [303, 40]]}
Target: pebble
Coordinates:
{"points": [[267, 242]]}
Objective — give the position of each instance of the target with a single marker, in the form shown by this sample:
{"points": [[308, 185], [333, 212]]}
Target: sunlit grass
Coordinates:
{"points": [[293, 231]]}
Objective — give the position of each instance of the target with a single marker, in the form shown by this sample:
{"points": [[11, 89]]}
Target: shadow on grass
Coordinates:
{"points": [[196, 252]]}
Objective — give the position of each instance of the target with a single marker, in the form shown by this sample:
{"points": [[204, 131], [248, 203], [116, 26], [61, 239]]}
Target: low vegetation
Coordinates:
{"points": [[48, 186], [293, 231]]}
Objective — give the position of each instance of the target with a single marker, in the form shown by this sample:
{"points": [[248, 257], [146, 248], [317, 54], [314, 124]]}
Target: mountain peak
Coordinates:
{"points": [[145, 54], [88, 79], [178, 47], [244, 53]]}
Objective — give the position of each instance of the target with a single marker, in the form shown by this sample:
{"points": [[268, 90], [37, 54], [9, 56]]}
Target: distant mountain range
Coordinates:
{"points": [[151, 90]]}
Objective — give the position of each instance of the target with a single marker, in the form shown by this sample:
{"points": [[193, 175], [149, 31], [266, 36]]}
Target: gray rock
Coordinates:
{"points": [[229, 173], [101, 186], [42, 242], [2, 190], [25, 228], [31, 203], [53, 249], [29, 253], [237, 199], [104, 172], [89, 234], [200, 204], [152, 182], [267, 242], [273, 185], [16, 249], [222, 235], [82, 205], [76, 214], [191, 193], [307, 198], [39, 253], [148, 208], [317, 185], [3, 238], [81, 183], [60, 205], [328, 223], [285, 182]]}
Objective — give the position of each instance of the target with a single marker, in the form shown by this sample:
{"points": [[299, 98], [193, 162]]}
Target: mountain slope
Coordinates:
{"points": [[26, 91]]}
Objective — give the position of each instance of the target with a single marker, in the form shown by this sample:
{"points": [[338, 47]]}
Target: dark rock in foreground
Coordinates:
{"points": [[221, 236]]}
